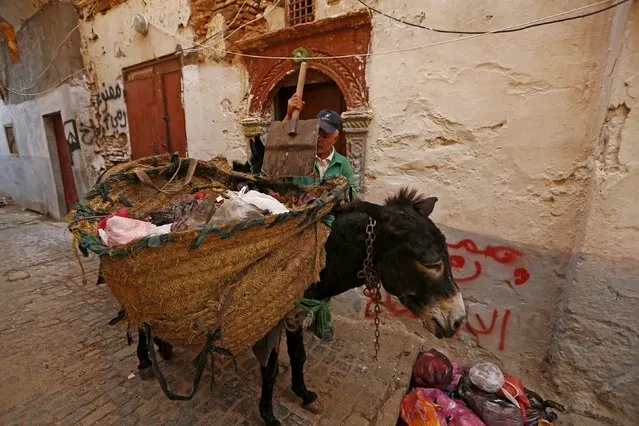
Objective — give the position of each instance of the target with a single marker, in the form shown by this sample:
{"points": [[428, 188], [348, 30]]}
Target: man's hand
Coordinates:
{"points": [[294, 104]]}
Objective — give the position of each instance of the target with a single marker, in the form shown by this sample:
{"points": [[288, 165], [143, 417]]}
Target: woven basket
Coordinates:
{"points": [[242, 278]]}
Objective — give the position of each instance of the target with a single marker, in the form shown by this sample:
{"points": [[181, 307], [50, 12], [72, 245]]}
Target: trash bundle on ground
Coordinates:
{"points": [[442, 393], [191, 247]]}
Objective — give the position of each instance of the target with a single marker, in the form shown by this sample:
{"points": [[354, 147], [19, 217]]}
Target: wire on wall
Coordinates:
{"points": [[509, 30], [468, 36]]}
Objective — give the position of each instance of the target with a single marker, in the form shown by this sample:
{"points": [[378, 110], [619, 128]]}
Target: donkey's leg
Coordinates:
{"points": [[269, 375], [297, 354], [165, 349], [143, 350]]}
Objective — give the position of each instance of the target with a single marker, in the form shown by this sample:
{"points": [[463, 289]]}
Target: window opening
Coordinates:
{"points": [[300, 11]]}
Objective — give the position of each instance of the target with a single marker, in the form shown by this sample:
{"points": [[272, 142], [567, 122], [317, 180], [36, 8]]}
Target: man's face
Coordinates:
{"points": [[325, 141]]}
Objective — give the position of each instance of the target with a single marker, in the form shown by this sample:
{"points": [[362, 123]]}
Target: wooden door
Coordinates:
{"points": [[317, 96], [153, 95], [64, 158]]}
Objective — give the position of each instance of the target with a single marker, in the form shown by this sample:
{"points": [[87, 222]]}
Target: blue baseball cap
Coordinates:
{"points": [[329, 121]]}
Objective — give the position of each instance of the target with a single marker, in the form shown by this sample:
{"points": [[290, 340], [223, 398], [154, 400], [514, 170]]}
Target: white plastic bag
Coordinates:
{"points": [[121, 230], [488, 377], [262, 201]]}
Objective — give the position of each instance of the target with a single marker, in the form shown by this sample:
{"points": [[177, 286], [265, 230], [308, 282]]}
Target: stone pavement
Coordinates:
{"points": [[63, 364]]}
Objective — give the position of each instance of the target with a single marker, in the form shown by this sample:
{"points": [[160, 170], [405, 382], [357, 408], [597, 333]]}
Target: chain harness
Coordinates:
{"points": [[372, 283]]}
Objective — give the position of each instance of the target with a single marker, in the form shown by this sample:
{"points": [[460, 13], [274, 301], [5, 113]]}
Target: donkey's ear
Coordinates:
{"points": [[426, 206], [377, 212]]}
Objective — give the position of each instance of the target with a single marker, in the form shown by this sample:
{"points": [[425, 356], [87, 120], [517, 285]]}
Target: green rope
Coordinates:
{"points": [[320, 314]]}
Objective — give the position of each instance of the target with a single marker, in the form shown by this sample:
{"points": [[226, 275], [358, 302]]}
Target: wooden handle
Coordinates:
{"points": [[301, 79]]}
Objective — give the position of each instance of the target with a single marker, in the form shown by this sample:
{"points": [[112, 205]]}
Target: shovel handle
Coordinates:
{"points": [[301, 79]]}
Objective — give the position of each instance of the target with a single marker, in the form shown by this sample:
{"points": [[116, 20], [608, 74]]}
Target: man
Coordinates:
{"points": [[328, 162]]}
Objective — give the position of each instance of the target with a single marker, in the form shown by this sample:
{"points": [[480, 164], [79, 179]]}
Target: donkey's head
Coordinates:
{"points": [[413, 263]]}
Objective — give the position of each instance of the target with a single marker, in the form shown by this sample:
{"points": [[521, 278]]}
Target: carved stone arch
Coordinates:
{"points": [[352, 86], [333, 40]]}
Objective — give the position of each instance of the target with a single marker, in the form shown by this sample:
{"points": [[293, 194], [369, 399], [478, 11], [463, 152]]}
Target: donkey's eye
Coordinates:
{"points": [[435, 265], [433, 269]]}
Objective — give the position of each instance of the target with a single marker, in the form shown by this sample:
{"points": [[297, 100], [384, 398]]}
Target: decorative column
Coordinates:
{"points": [[355, 125]]}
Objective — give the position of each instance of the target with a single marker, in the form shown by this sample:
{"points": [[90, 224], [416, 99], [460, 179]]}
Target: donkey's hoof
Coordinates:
{"points": [[315, 407], [307, 396], [145, 373], [271, 421]]}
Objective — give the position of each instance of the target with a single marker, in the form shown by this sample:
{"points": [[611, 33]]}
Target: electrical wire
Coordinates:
{"points": [[472, 35], [387, 52], [510, 30]]}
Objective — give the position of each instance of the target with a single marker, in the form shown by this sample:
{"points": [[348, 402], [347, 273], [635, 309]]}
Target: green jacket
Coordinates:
{"points": [[339, 165]]}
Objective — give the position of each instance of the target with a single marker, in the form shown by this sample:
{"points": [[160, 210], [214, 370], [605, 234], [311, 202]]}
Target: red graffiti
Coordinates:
{"points": [[471, 277], [482, 330], [501, 254], [521, 276], [393, 308]]}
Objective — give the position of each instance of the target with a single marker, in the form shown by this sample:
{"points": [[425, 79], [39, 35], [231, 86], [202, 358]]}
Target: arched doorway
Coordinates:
{"points": [[320, 92]]}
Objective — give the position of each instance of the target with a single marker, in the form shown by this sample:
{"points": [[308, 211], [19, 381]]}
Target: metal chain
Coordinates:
{"points": [[372, 283]]}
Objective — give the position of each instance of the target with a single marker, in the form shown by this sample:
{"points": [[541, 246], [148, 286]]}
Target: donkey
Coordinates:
{"points": [[410, 259]]}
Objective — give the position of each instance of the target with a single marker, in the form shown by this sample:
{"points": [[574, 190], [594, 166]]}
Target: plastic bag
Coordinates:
{"points": [[123, 212], [417, 410], [193, 214], [433, 370], [488, 377], [121, 230], [456, 413], [262, 201], [538, 409], [492, 409], [515, 388], [234, 210]]}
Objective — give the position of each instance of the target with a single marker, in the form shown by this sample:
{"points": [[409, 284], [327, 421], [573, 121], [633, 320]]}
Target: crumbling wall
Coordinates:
{"points": [[236, 15]]}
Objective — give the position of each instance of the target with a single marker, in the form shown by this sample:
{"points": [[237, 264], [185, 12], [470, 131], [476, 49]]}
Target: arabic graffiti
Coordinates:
{"points": [[500, 254], [480, 328], [71, 133], [111, 115]]}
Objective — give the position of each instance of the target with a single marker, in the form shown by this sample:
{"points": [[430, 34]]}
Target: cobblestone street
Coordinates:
{"points": [[63, 363]]}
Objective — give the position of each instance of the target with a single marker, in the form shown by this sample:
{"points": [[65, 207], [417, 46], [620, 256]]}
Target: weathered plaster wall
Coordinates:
{"points": [[213, 94], [32, 178], [38, 40], [500, 120], [18, 12]]}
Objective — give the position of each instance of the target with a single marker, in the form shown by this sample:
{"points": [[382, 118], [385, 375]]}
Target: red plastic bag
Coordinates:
{"points": [[123, 212], [455, 411], [433, 370]]}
